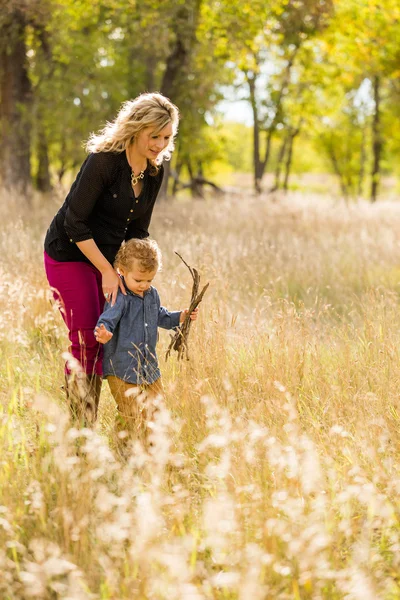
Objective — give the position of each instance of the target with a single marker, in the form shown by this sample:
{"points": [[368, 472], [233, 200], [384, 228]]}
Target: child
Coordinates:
{"points": [[129, 331]]}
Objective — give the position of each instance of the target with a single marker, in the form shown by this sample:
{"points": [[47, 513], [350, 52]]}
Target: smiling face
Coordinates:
{"points": [[136, 280], [149, 142]]}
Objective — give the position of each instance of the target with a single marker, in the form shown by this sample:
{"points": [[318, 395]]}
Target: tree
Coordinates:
{"points": [[265, 50], [364, 38], [15, 98]]}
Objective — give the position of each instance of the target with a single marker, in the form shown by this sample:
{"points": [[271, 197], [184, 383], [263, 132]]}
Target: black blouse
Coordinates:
{"points": [[101, 206]]}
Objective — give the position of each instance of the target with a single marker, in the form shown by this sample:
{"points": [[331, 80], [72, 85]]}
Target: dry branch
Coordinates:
{"points": [[179, 341]]}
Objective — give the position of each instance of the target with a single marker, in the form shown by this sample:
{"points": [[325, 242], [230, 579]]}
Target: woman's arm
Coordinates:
{"points": [[110, 279], [95, 175], [93, 178]]}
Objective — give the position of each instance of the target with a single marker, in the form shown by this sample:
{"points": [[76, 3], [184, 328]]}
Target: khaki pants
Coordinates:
{"points": [[135, 405]]}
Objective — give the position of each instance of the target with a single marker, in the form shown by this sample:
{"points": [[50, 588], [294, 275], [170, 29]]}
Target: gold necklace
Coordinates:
{"points": [[135, 178]]}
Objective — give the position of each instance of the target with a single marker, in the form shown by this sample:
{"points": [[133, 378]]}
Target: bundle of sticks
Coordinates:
{"points": [[179, 341]]}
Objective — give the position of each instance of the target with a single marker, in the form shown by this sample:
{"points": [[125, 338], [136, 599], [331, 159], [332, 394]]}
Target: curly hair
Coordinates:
{"points": [[147, 110], [146, 252]]}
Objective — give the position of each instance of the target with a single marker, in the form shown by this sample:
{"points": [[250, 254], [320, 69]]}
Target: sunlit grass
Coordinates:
{"points": [[275, 466]]}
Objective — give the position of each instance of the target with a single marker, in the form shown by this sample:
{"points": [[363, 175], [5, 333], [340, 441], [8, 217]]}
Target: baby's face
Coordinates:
{"points": [[138, 281]]}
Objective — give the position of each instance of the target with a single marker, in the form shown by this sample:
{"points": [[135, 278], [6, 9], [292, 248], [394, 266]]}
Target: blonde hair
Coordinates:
{"points": [[146, 252], [147, 110]]}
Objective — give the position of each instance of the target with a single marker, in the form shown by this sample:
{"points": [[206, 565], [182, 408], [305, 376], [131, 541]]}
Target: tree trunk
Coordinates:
{"points": [[337, 170], [361, 172], [176, 176], [376, 141], [257, 172], [163, 193], [279, 163], [195, 189], [174, 79], [42, 178], [63, 166], [42, 175], [289, 157], [260, 165], [175, 62], [15, 94]]}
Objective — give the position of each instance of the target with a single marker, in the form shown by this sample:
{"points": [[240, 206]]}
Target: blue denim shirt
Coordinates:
{"points": [[133, 321]]}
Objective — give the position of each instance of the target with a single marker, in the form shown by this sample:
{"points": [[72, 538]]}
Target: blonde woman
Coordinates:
{"points": [[110, 201]]}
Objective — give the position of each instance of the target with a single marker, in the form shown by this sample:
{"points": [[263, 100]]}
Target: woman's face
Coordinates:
{"points": [[149, 144]]}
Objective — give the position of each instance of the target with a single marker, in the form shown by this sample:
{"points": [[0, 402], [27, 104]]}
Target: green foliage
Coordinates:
{"points": [[308, 60], [236, 142]]}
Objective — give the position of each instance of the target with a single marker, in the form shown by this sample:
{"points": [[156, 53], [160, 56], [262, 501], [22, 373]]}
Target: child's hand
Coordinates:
{"points": [[193, 315], [102, 334]]}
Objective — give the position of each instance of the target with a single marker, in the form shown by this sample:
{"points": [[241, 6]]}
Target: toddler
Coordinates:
{"points": [[128, 330]]}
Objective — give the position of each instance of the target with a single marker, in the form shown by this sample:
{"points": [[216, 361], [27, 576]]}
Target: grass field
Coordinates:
{"points": [[275, 469]]}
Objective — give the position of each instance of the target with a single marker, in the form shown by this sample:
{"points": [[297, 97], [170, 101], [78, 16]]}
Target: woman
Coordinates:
{"points": [[110, 201]]}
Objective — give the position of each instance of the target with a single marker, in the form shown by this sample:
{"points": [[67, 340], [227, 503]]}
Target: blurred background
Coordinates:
{"points": [[281, 95]]}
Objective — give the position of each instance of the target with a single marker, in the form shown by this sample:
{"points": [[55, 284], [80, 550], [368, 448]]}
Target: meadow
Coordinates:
{"points": [[274, 471]]}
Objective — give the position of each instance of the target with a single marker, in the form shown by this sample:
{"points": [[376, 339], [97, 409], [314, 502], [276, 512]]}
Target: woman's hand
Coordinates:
{"points": [[102, 334], [193, 315], [111, 281]]}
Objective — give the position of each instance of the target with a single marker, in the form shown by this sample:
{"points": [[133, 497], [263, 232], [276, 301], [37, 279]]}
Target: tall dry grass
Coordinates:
{"points": [[274, 470]]}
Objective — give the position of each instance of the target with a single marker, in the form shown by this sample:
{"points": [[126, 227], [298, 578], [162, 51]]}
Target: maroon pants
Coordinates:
{"points": [[77, 288]]}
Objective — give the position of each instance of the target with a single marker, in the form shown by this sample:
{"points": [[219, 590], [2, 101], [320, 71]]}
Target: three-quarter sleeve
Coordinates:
{"points": [[89, 185]]}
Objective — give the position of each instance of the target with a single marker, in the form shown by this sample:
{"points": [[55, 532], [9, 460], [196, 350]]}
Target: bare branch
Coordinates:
{"points": [[179, 341]]}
